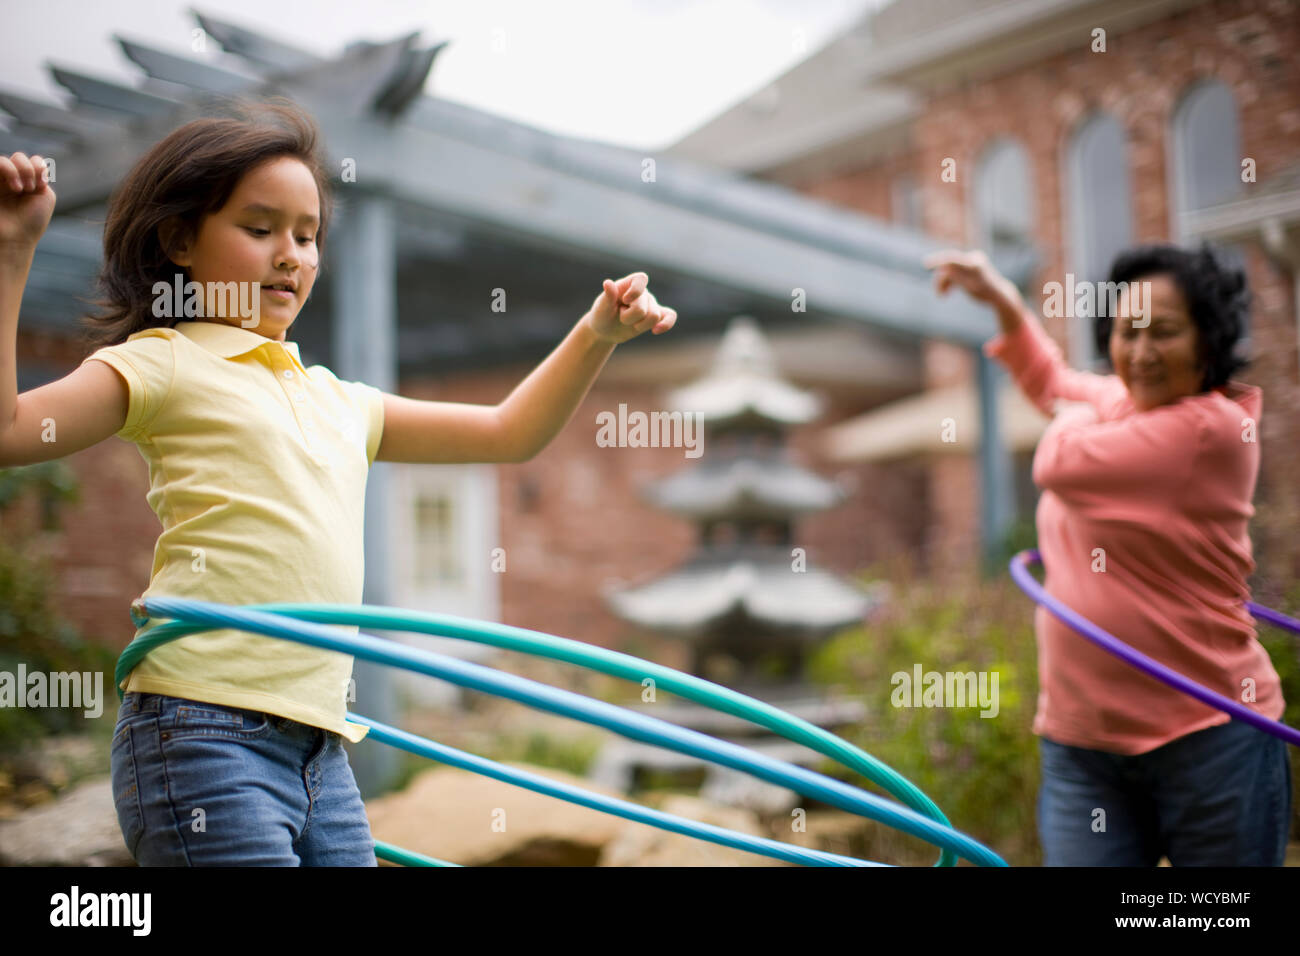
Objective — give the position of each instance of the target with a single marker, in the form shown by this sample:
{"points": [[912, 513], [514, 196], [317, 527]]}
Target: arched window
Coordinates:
{"points": [[1205, 152], [1003, 215], [1099, 204]]}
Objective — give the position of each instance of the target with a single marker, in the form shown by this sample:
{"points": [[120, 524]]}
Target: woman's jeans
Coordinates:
{"points": [[1217, 797], [199, 784]]}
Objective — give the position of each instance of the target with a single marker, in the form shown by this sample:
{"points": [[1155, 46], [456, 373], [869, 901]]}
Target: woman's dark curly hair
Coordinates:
{"points": [[1213, 288]]}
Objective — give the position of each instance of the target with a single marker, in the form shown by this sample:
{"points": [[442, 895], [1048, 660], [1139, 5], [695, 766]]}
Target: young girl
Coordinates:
{"points": [[227, 749]]}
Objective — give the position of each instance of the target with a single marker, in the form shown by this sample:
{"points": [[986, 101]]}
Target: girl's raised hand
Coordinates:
{"points": [[26, 201], [626, 308]]}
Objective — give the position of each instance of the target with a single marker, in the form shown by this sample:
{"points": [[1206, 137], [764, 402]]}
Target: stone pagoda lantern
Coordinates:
{"points": [[749, 601]]}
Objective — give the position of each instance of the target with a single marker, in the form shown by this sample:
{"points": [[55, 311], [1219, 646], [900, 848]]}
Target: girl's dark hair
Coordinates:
{"points": [[1214, 289], [188, 175]]}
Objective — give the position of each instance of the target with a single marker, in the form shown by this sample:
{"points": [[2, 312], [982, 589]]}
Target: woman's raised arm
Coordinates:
{"points": [[1034, 360]]}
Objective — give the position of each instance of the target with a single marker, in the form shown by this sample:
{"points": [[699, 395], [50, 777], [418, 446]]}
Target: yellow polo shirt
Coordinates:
{"points": [[257, 472]]}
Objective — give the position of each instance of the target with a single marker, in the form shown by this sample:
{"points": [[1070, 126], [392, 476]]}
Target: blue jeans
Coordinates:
{"points": [[200, 784], [1217, 797]]}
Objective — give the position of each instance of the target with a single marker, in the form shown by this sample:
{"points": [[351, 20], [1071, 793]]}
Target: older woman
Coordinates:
{"points": [[1147, 477]]}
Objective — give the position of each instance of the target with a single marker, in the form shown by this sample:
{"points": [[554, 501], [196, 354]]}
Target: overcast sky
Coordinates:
{"points": [[639, 73]]}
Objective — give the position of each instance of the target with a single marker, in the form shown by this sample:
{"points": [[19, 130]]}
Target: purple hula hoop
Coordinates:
{"points": [[1020, 565]]}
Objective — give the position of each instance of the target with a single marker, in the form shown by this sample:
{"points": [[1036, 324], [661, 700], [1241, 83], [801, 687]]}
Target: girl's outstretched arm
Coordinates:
{"points": [[517, 429], [80, 409]]}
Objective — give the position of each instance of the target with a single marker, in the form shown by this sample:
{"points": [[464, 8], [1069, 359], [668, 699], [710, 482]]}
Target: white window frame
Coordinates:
{"points": [[473, 492]]}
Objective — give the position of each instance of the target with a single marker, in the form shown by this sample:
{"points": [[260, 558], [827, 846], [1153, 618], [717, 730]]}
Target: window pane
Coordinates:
{"points": [[1002, 194], [1101, 214], [1004, 210], [437, 563], [1208, 152]]}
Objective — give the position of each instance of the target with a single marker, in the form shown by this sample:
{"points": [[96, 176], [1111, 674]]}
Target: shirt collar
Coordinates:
{"points": [[229, 341]]}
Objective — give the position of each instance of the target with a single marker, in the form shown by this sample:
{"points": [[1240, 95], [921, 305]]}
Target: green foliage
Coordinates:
{"points": [[1020, 535], [981, 771], [31, 631], [1284, 650], [54, 483], [573, 755], [570, 754], [409, 766]]}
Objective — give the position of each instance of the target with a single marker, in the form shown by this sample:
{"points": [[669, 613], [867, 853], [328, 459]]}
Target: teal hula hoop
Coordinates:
{"points": [[919, 817]]}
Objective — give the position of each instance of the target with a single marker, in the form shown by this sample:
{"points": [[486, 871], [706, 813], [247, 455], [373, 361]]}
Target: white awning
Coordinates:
{"points": [[920, 424]]}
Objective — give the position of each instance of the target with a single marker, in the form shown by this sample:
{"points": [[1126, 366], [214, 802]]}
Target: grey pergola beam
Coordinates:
{"points": [[365, 76], [24, 139], [633, 226], [78, 242], [407, 83], [997, 485], [101, 94], [255, 47], [770, 207], [349, 84], [64, 122], [364, 283], [177, 69]]}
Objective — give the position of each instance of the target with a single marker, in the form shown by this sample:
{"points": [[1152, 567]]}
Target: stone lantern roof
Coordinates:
{"points": [[744, 385], [755, 584], [765, 487]]}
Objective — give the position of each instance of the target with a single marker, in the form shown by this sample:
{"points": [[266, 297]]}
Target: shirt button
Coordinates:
{"points": [[288, 373], [299, 396]]}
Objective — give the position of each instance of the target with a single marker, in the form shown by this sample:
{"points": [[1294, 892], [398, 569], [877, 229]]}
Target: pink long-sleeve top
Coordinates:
{"points": [[1161, 500]]}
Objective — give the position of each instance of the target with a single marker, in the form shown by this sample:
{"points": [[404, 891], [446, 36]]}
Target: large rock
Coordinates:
{"points": [[78, 828], [467, 818], [639, 844], [849, 834]]}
